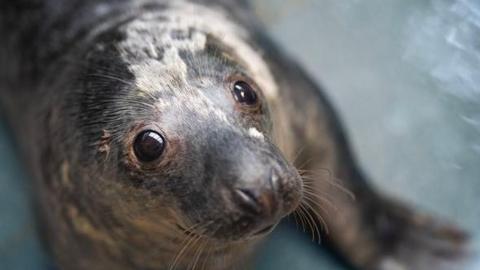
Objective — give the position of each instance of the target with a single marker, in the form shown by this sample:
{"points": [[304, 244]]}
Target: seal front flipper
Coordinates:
{"points": [[412, 240]]}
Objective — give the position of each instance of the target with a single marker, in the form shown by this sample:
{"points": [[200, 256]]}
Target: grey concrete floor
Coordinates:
{"points": [[405, 76]]}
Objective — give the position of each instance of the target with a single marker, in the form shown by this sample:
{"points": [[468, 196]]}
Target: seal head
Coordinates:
{"points": [[181, 121]]}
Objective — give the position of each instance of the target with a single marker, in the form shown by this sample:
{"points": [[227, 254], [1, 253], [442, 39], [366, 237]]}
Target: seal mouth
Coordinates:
{"points": [[262, 232], [265, 230]]}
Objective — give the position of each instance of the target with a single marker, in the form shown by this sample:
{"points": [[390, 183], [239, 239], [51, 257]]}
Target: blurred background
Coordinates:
{"points": [[405, 78]]}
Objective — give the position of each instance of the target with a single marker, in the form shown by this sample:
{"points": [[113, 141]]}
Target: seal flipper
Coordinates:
{"points": [[411, 240]]}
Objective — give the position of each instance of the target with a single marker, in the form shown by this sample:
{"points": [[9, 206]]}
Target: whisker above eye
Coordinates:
{"points": [[111, 77]]}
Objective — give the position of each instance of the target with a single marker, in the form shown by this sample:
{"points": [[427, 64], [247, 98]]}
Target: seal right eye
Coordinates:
{"points": [[148, 146]]}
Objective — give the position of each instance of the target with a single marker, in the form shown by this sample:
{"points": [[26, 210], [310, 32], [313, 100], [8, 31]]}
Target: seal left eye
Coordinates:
{"points": [[244, 93], [148, 146]]}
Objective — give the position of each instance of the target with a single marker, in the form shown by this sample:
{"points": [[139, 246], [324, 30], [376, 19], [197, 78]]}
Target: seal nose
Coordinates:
{"points": [[255, 201], [260, 200]]}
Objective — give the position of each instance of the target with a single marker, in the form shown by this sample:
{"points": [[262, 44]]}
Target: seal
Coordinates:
{"points": [[176, 135]]}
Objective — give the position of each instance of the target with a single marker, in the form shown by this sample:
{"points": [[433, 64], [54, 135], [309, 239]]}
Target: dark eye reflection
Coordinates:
{"points": [[148, 146], [244, 93]]}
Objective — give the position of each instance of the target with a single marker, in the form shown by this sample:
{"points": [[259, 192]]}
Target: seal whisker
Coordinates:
{"points": [[311, 179], [312, 223], [317, 215], [184, 246], [111, 77], [193, 239], [299, 214], [308, 221], [313, 175], [315, 203], [297, 154], [207, 257], [315, 211], [311, 195], [192, 246], [308, 187], [304, 219], [189, 229], [126, 102], [197, 253], [304, 164], [200, 249], [188, 245], [294, 218], [211, 249], [200, 252]]}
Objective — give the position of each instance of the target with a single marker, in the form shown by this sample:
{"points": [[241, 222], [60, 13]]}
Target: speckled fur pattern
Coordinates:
{"points": [[80, 79]]}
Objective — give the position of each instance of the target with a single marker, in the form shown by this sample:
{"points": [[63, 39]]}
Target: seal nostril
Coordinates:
{"points": [[248, 200], [257, 201]]}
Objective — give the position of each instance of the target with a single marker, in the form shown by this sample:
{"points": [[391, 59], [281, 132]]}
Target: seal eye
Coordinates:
{"points": [[244, 93], [148, 146]]}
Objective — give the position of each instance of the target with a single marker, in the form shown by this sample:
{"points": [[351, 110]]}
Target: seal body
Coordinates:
{"points": [[176, 135]]}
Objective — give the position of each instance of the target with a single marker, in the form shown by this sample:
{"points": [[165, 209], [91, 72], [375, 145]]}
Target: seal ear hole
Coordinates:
{"points": [[148, 146]]}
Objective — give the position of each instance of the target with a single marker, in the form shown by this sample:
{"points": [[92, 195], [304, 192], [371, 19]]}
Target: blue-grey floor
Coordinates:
{"points": [[19, 245], [405, 76]]}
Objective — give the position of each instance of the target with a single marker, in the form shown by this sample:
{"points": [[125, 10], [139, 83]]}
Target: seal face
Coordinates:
{"points": [[188, 124]]}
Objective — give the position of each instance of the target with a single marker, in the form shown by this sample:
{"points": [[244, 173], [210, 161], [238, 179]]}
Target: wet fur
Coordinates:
{"points": [[72, 84]]}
